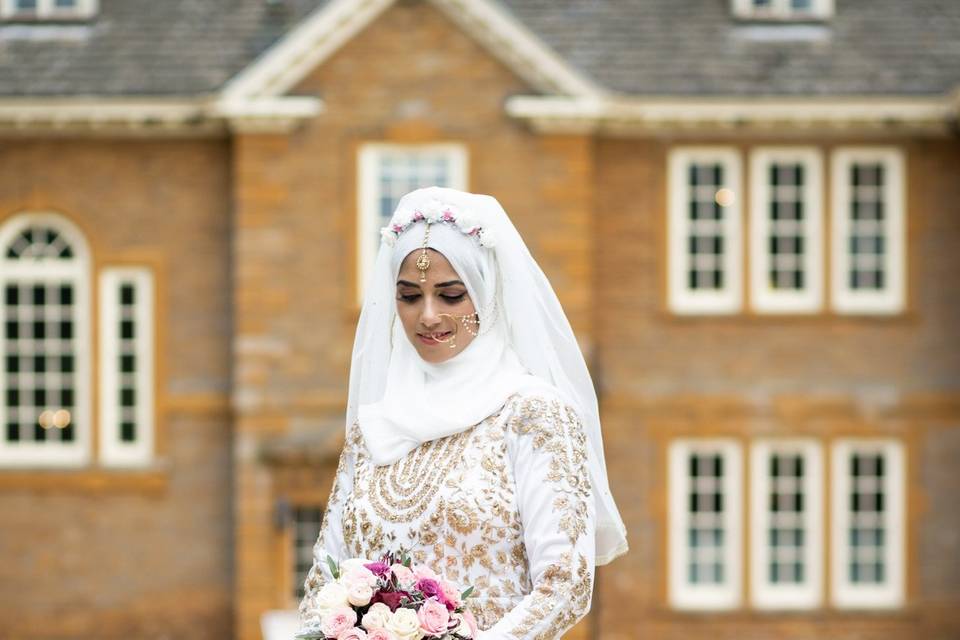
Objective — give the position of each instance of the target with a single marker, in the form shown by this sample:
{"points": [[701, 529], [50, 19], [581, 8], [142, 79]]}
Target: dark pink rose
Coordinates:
{"points": [[390, 598], [378, 568], [428, 587]]}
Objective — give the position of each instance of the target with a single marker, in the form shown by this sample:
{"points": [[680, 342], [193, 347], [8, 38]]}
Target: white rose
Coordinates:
{"points": [[357, 576], [405, 624], [376, 616], [359, 594], [331, 596], [352, 564]]}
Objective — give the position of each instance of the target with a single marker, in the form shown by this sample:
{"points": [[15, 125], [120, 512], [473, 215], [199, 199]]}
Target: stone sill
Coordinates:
{"points": [[151, 480]]}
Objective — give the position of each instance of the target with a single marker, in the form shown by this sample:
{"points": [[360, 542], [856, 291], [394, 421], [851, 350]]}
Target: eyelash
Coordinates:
{"points": [[450, 299]]}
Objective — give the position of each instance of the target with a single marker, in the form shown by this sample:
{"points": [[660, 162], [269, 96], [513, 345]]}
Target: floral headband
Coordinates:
{"points": [[436, 212]]}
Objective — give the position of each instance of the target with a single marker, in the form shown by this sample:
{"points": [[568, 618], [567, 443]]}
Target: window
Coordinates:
{"points": [[785, 516], [705, 514], [868, 523], [868, 230], [126, 366], [306, 528], [46, 380], [44, 275], [387, 172], [704, 231], [47, 9], [783, 9], [786, 229]]}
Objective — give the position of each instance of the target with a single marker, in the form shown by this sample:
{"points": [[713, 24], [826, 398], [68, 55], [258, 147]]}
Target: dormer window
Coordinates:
{"points": [[783, 9], [47, 10]]}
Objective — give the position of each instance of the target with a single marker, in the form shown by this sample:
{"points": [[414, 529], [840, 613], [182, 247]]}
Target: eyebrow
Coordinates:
{"points": [[448, 283]]}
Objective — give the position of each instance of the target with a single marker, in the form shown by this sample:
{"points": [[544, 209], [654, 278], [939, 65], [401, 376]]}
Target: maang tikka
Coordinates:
{"points": [[423, 260]]}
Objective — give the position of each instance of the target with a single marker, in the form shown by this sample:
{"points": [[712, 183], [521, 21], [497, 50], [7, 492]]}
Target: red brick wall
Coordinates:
{"points": [[747, 375], [91, 554]]}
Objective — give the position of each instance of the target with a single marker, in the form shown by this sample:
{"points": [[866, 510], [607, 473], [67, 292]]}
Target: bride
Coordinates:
{"points": [[473, 435]]}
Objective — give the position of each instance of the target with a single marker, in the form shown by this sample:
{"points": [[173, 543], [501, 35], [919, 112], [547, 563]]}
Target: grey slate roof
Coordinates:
{"points": [[144, 47], [653, 47], [695, 47]]}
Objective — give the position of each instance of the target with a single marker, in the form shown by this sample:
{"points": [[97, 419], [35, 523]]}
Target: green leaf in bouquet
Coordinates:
{"points": [[334, 570], [466, 592]]}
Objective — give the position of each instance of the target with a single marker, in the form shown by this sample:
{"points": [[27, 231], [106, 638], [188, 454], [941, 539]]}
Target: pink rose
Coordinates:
{"points": [[433, 617], [338, 621], [380, 634], [423, 571], [448, 216], [353, 633], [471, 622], [404, 575], [450, 594]]}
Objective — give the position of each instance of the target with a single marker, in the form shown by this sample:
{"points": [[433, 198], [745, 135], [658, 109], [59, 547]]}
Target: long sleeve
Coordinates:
{"points": [[330, 539], [549, 455]]}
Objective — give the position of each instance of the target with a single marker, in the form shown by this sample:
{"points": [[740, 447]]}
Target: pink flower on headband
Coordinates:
{"points": [[434, 213]]}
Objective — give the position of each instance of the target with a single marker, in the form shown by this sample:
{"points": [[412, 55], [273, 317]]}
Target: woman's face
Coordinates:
{"points": [[425, 308]]}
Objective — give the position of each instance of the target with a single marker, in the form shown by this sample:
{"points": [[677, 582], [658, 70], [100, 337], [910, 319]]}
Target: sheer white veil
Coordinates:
{"points": [[526, 342]]}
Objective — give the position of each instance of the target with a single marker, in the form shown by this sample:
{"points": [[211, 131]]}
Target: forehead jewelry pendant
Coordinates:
{"points": [[423, 260]]}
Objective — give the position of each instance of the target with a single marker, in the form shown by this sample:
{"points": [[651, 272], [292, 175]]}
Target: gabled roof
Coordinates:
{"points": [[639, 47]]}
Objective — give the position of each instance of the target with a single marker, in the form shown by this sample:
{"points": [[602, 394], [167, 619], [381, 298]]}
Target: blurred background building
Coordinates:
{"points": [[749, 209]]}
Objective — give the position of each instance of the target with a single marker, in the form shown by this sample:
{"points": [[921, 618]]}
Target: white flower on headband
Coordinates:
{"points": [[436, 212], [388, 236]]}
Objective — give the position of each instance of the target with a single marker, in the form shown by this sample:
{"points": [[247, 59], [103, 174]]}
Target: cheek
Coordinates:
{"points": [[407, 317]]}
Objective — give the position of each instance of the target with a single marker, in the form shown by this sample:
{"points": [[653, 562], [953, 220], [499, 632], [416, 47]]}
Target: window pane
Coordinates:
{"points": [[306, 523], [705, 239], [706, 506], [867, 530]]}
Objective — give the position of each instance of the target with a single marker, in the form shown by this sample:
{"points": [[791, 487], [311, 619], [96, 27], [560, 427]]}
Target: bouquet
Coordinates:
{"points": [[389, 599]]}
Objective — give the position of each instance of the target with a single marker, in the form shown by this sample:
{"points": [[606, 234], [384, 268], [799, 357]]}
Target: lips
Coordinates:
{"points": [[433, 338]]}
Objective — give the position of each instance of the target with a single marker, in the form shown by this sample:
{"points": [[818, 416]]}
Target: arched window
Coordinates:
{"points": [[45, 375]]}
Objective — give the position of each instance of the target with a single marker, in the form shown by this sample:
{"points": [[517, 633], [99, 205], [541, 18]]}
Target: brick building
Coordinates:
{"points": [[747, 207]]}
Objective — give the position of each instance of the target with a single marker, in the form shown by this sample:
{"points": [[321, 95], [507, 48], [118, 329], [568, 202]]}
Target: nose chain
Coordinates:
{"points": [[470, 322]]}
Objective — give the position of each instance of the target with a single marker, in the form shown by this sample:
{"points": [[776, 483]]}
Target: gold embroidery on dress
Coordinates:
{"points": [[402, 491], [453, 503]]}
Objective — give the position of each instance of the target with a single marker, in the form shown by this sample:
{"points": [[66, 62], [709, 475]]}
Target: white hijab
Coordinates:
{"points": [[526, 343], [424, 401]]}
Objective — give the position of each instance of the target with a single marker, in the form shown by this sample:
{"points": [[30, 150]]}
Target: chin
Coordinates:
{"points": [[436, 358]]}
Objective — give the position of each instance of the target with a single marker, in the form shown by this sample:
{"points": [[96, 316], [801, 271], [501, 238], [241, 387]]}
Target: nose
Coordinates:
{"points": [[429, 317]]}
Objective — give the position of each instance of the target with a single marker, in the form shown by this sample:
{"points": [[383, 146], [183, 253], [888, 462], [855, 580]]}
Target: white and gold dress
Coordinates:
{"points": [[505, 505]]}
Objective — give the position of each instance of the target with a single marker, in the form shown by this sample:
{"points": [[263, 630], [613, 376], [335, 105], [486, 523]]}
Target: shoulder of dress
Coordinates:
{"points": [[541, 404]]}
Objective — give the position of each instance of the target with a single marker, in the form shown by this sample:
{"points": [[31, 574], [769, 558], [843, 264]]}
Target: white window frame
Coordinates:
{"points": [[781, 10], [368, 166], [764, 593], [891, 593], [114, 452], [891, 299], [681, 298], [76, 453], [48, 10], [764, 297], [683, 594]]}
